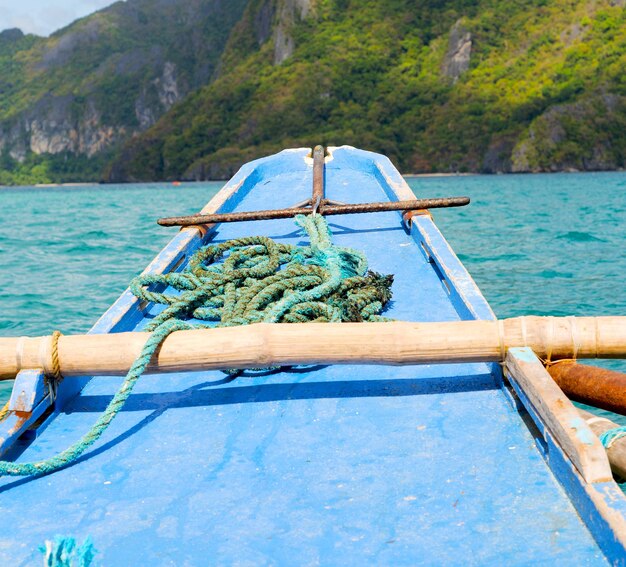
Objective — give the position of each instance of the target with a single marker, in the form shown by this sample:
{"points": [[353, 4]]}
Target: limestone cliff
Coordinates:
{"points": [[191, 89], [457, 59], [109, 76], [289, 12], [587, 135]]}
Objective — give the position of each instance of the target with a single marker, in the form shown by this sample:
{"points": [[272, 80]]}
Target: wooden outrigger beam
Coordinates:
{"points": [[285, 344], [318, 204]]}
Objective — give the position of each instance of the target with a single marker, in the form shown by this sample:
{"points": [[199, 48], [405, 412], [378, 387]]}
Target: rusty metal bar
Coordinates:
{"points": [[317, 199], [598, 387], [328, 210]]}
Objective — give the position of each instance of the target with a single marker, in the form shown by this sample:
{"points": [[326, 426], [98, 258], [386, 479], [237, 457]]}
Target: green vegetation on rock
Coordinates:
{"points": [[454, 85], [482, 85], [56, 168]]}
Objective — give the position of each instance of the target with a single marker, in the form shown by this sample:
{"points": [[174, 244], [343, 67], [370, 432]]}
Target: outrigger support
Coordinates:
{"points": [[317, 204]]}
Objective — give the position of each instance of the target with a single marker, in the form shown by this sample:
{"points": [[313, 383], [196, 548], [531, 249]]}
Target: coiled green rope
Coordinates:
{"points": [[243, 281]]}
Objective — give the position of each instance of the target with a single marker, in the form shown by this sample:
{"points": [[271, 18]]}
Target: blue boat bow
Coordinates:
{"points": [[431, 464]]}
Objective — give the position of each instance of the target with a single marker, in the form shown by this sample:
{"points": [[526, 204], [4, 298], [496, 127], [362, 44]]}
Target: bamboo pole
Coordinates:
{"points": [[617, 451], [284, 344]]}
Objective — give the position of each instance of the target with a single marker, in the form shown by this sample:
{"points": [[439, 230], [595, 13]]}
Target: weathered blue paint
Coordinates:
{"points": [[582, 430], [16, 425], [337, 465], [29, 389], [525, 354]]}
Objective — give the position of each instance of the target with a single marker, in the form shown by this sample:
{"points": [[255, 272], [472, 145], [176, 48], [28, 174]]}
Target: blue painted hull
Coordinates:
{"points": [[334, 465]]}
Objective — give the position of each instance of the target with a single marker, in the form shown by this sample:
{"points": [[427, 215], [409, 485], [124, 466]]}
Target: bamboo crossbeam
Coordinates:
{"points": [[282, 344]]}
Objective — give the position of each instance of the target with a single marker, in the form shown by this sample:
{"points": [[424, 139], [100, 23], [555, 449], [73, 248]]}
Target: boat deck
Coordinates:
{"points": [[334, 465]]}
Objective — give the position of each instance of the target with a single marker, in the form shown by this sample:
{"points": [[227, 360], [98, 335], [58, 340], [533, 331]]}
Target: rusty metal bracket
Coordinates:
{"points": [[407, 216]]}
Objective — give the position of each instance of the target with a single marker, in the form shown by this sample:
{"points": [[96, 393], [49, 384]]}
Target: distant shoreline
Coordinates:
{"points": [[70, 184], [52, 185], [439, 174], [81, 184], [78, 185]]}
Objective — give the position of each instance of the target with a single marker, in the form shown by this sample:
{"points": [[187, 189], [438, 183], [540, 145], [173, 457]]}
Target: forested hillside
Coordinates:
{"points": [[458, 85], [68, 101]]}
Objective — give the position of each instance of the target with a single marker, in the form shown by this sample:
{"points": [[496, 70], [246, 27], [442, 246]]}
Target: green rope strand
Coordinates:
{"points": [[239, 282], [610, 436], [73, 452]]}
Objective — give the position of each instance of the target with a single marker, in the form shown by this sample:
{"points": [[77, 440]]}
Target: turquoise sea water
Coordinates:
{"points": [[541, 244]]}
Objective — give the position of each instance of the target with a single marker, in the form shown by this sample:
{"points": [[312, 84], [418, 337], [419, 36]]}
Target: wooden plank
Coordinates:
{"points": [[29, 400], [467, 299], [15, 423], [559, 415]]}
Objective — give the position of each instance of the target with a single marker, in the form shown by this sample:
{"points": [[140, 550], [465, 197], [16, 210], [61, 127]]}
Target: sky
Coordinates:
{"points": [[42, 17]]}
